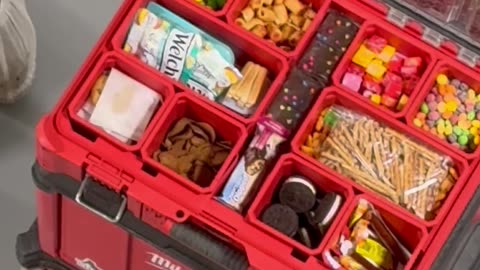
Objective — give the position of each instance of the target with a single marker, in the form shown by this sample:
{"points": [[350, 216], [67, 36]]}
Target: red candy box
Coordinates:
{"points": [[347, 143]]}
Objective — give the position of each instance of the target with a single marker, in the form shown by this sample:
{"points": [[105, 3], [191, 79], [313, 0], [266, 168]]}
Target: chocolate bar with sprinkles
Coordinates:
{"points": [[337, 30]]}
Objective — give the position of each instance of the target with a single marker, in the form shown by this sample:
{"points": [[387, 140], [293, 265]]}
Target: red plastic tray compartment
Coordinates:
{"points": [[220, 14], [290, 165], [244, 49], [136, 72], [404, 43], [320, 6], [410, 232], [452, 69], [337, 96], [189, 106]]}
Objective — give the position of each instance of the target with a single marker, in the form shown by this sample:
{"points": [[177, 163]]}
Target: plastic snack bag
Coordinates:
{"points": [[17, 50], [181, 51], [386, 162]]}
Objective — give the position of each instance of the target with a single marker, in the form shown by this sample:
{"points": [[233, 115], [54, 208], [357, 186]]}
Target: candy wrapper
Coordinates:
{"points": [[382, 160], [251, 168], [181, 51], [367, 243]]}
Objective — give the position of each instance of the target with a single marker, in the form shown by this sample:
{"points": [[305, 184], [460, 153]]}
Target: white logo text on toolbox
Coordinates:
{"points": [[87, 264], [161, 263]]}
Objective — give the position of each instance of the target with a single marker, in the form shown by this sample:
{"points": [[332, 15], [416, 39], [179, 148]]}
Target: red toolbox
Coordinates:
{"points": [[103, 204]]}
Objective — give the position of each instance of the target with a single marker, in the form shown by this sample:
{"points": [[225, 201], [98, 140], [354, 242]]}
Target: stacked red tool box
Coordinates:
{"points": [[105, 205]]}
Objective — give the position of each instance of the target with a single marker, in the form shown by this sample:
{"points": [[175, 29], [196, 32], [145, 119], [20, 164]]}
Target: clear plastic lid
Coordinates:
{"points": [[458, 20]]}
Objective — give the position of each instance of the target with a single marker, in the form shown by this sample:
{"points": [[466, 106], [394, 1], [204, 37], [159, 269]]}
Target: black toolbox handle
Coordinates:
{"points": [[191, 246], [462, 250]]}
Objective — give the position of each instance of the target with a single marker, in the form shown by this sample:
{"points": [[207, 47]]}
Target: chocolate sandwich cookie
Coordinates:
{"points": [[337, 30], [304, 237], [298, 193], [325, 211], [319, 61], [282, 218]]}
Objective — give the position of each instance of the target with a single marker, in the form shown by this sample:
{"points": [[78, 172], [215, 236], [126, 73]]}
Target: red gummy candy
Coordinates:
{"points": [[376, 43], [355, 69], [391, 77], [413, 62], [396, 63], [373, 86], [394, 89], [410, 84], [389, 101], [409, 71]]}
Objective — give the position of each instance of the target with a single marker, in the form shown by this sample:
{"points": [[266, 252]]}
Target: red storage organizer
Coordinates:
{"points": [[106, 205]]}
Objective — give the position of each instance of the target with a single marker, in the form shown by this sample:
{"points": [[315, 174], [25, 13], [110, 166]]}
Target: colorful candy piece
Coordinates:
{"points": [[376, 44], [424, 108], [402, 102], [352, 81], [394, 89], [442, 107], [372, 85], [417, 122], [377, 99], [391, 77], [409, 71], [396, 63], [376, 69], [410, 84], [387, 54], [413, 62], [363, 57], [389, 101]]}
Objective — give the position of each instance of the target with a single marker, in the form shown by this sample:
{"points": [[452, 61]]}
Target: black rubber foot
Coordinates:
{"points": [[29, 254]]}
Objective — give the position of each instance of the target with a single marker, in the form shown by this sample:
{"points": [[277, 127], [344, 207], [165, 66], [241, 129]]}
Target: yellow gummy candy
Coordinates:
{"points": [[442, 79], [376, 99], [417, 122], [476, 140], [476, 123], [440, 129], [363, 56], [448, 130], [452, 106], [474, 131], [387, 54], [471, 94], [376, 69]]}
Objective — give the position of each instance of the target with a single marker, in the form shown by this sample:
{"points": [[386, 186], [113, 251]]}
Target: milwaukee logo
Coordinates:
{"points": [[175, 52], [87, 264], [162, 263]]}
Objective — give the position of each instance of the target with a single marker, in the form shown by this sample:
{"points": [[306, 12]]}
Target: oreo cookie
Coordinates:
{"points": [[305, 238], [325, 211], [282, 218], [298, 193]]}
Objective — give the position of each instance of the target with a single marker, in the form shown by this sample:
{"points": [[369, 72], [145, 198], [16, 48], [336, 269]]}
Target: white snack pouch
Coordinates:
{"points": [[125, 106]]}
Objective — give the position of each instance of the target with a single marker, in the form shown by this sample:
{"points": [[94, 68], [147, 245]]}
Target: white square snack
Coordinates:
{"points": [[125, 106]]}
